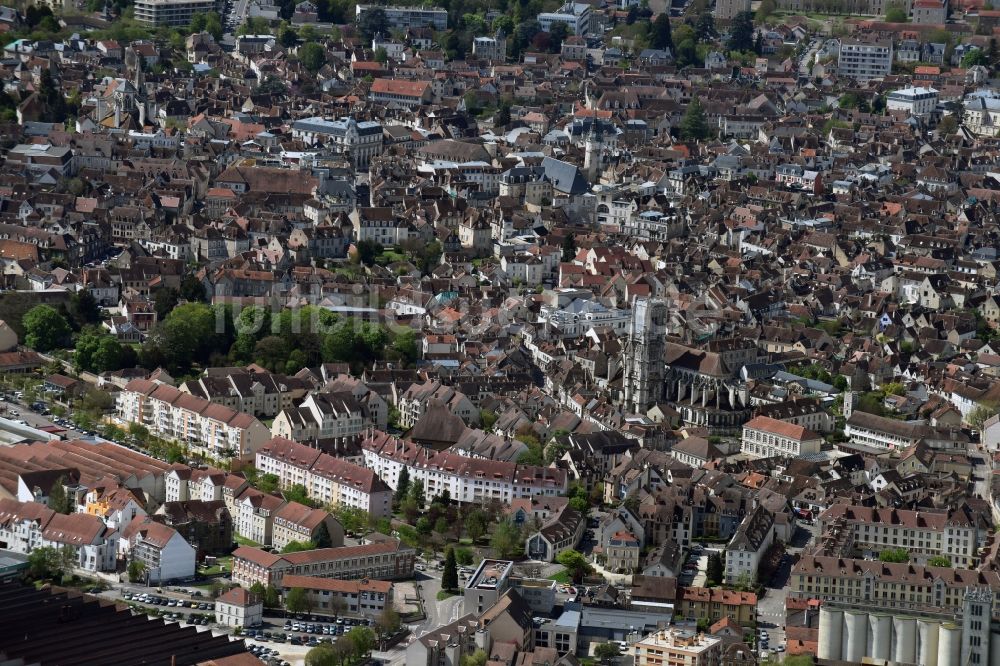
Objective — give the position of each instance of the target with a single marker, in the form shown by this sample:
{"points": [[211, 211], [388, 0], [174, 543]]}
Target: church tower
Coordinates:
{"points": [[643, 355]]}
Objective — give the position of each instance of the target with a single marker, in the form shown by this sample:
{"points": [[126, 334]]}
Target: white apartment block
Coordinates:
{"points": [[202, 426], [360, 141], [409, 17], [321, 416], [576, 16], [881, 432], [766, 437], [915, 101], [924, 534], [863, 61], [164, 553], [327, 479], [676, 646], [158, 13], [468, 480]]}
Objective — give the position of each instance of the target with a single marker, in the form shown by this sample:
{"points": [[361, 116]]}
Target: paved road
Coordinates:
{"points": [[771, 606], [33, 419]]}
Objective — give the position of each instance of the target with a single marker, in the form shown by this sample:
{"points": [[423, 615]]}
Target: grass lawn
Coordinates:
{"points": [[223, 565], [561, 577], [243, 541], [444, 594]]}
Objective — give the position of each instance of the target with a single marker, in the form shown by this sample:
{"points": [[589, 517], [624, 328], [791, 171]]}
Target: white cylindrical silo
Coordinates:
{"points": [[995, 648], [879, 636], [855, 639], [949, 644], [904, 647], [831, 623], [927, 646]]}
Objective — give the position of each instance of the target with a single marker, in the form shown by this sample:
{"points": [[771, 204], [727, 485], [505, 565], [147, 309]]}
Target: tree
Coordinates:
{"points": [[716, 569], [268, 483], [53, 101], [506, 540], [373, 22], [693, 125], [704, 27], [44, 328], [416, 493], [576, 564], [268, 595], [367, 251], [353, 519], [896, 13], [136, 571], [402, 486], [558, 32], [49, 561], [898, 555], [502, 117], [84, 309], [187, 335], [323, 654], [287, 36], [322, 538], [764, 10], [388, 622], [741, 32], [58, 501], [381, 55], [313, 56], [569, 247], [475, 524], [948, 125], [477, 658], [99, 351], [449, 577], [661, 36], [192, 289], [939, 561], [297, 601], [974, 57], [362, 640], [298, 546], [980, 413], [606, 652], [164, 302]]}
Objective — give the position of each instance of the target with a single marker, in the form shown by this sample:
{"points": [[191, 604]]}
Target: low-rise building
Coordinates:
{"points": [[766, 437], [334, 596], [388, 559], [748, 546], [239, 608], [298, 522], [25, 526], [676, 646], [163, 552], [915, 101], [715, 603]]}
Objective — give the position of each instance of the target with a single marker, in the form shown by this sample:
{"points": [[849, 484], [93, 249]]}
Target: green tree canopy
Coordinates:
{"points": [[44, 328], [313, 56], [693, 125], [506, 540], [576, 564], [741, 33], [58, 500], [895, 12], [939, 561], [297, 601], [449, 577], [660, 32], [898, 555]]}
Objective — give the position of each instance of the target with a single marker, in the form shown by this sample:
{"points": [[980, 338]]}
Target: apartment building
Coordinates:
{"points": [[157, 13], [205, 427], [676, 646], [888, 585], [408, 17], [881, 432], [715, 603], [468, 480], [863, 61], [953, 533], [164, 553], [321, 416], [915, 101], [298, 522], [359, 141], [25, 526], [389, 559], [183, 483], [416, 399], [727, 9], [253, 514], [259, 393], [748, 546], [577, 17], [766, 437], [333, 595], [327, 479]]}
